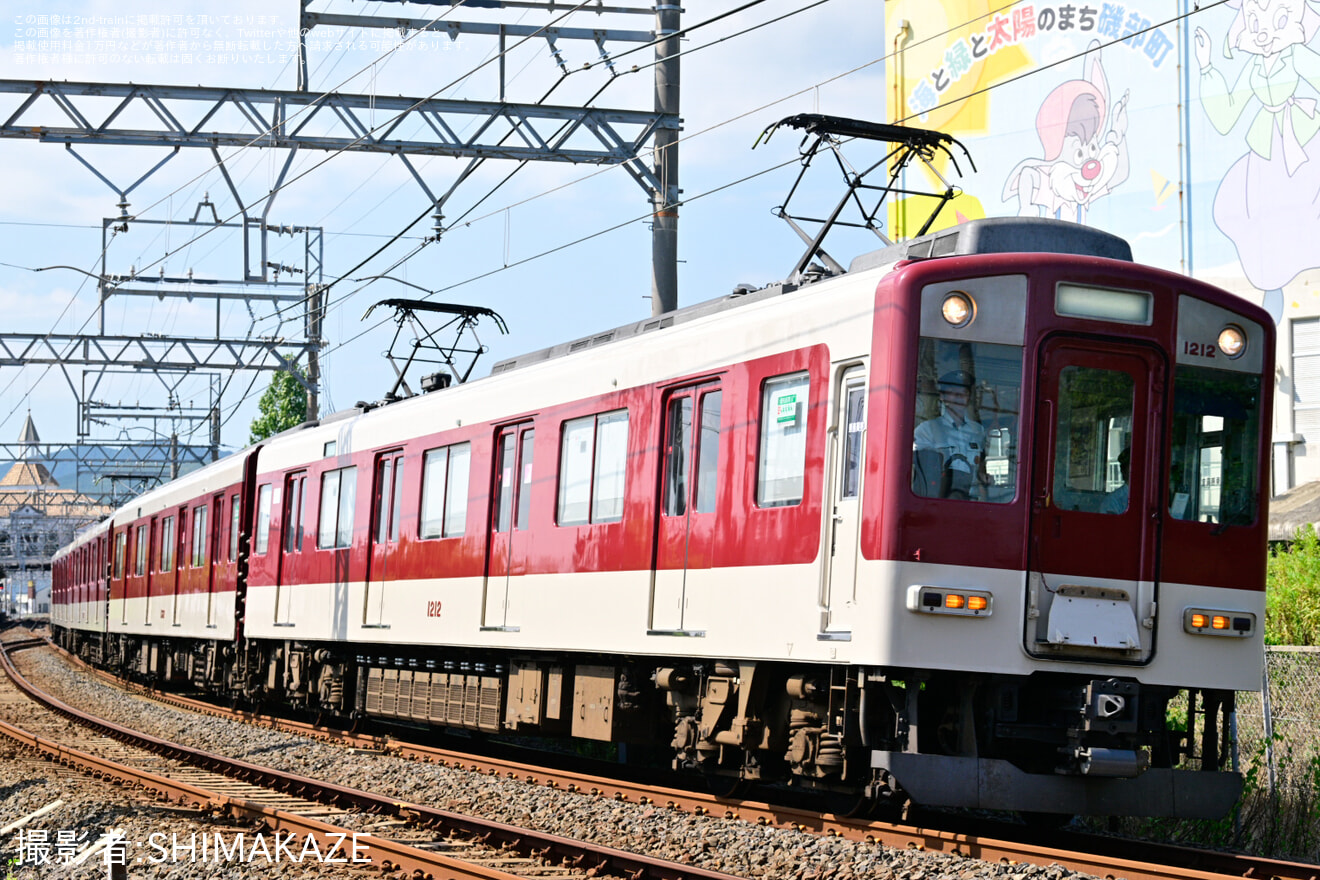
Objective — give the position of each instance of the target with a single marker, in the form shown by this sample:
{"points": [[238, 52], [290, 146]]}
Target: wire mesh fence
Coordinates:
{"points": [[1278, 736]]}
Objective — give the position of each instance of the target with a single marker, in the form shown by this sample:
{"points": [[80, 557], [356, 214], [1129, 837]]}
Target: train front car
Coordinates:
{"points": [[1064, 525]]}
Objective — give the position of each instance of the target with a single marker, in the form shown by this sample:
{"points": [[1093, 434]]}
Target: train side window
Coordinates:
{"points": [[295, 501], [967, 407], [524, 515], [338, 496], [121, 548], [396, 511], [199, 537], [708, 451], [593, 453], [783, 459], [678, 450], [263, 519], [445, 491], [167, 545], [234, 508], [140, 552]]}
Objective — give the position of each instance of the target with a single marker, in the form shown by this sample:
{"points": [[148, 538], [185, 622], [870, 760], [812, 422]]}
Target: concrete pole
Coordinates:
{"points": [[664, 228]]}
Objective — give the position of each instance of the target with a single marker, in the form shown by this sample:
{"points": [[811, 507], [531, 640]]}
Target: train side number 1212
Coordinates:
{"points": [[1199, 349]]}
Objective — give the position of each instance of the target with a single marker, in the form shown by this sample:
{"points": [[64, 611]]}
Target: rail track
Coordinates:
{"points": [[985, 840], [420, 841]]}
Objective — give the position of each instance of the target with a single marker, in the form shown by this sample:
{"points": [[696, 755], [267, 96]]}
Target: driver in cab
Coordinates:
{"points": [[958, 439]]}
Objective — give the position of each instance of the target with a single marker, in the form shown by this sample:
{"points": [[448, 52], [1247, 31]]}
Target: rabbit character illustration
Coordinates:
{"points": [[1085, 146]]}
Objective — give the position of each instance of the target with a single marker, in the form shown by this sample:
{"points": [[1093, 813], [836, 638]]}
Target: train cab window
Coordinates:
{"points": [[263, 519], [1215, 448], [199, 536], [234, 508], [593, 452], [166, 561], [782, 462], [445, 491], [121, 547], [140, 552], [338, 497], [965, 444], [1093, 434]]}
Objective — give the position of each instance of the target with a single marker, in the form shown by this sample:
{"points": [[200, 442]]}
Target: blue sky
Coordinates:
{"points": [[52, 215]]}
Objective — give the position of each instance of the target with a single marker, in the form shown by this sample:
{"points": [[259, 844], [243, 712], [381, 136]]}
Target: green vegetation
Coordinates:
{"points": [[282, 406], [1292, 596]]}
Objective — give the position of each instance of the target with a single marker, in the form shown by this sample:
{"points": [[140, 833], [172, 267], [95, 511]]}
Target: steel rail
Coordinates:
{"points": [[1139, 860], [1147, 860]]}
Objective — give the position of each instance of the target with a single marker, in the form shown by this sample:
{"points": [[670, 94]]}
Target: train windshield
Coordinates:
{"points": [[1215, 450], [968, 402]]}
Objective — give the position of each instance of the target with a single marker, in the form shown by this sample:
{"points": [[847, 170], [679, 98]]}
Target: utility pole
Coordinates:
{"points": [[664, 199]]}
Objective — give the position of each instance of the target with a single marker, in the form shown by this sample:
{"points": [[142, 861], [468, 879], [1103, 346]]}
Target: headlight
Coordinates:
{"points": [[958, 309], [1232, 341]]}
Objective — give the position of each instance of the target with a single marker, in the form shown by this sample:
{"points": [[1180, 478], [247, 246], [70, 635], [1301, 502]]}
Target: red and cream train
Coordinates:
{"points": [[714, 532]]}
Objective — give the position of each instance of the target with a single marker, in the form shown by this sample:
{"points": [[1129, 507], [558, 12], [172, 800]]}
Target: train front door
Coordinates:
{"points": [[847, 447], [1096, 502], [689, 491], [506, 551], [386, 513]]}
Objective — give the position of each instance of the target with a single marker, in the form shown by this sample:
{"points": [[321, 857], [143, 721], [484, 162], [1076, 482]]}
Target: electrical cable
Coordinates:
{"points": [[757, 174], [269, 195]]}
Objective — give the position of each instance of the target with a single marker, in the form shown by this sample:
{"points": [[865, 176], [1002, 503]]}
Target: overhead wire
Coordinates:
{"points": [[741, 180], [768, 170], [193, 239], [456, 4]]}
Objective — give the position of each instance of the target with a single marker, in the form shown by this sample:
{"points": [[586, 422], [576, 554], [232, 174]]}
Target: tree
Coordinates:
{"points": [[282, 406]]}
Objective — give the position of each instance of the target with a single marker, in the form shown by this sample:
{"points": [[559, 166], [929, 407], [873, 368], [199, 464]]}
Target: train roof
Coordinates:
{"points": [[216, 475], [994, 235], [1001, 235], [986, 236]]}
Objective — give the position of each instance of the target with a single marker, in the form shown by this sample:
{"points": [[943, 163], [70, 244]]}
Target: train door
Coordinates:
{"points": [[685, 527], [507, 548], [213, 555], [291, 537], [847, 446], [182, 575], [387, 507], [1095, 501], [151, 574]]}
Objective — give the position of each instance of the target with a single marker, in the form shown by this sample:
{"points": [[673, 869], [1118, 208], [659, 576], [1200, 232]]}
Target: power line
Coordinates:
{"points": [[271, 194]]}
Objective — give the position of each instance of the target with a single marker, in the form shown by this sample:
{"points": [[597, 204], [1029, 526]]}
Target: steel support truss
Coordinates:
{"points": [[77, 114], [187, 117]]}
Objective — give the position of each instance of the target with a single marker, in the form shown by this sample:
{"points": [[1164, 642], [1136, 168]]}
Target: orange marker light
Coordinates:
{"points": [[1199, 620], [1219, 622], [976, 603], [953, 600]]}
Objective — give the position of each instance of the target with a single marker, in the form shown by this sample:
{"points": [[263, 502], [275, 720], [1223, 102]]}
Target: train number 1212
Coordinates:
{"points": [[1199, 349]]}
